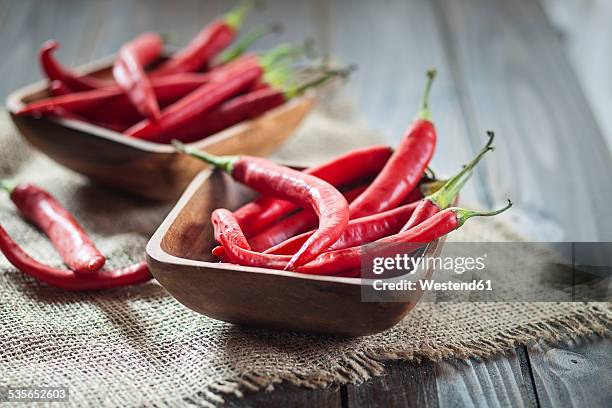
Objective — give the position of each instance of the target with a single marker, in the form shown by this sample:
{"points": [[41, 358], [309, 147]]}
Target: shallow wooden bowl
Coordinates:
{"points": [[147, 169], [179, 257]]}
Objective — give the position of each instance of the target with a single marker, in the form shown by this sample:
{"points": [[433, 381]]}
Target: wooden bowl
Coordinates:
{"points": [[148, 169], [179, 257]]}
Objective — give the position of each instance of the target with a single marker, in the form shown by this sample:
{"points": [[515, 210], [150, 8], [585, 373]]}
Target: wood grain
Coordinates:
{"points": [[574, 374], [405, 384], [513, 76]]}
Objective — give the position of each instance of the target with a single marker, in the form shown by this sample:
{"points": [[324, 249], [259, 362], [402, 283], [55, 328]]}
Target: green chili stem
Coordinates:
{"points": [[445, 196], [424, 112], [235, 17], [463, 215], [7, 186], [327, 76], [225, 163], [246, 41]]}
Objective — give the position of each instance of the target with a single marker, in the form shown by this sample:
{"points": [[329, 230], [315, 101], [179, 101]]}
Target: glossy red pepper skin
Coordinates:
{"points": [[69, 280], [349, 259], [334, 262], [55, 71], [129, 72], [224, 223], [355, 165], [303, 220], [110, 104], [303, 189], [402, 172], [203, 99], [198, 54], [243, 107], [359, 231], [405, 168], [68, 237]]}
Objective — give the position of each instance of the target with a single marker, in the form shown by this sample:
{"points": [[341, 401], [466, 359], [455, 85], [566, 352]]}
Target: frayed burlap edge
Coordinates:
{"points": [[360, 366]]}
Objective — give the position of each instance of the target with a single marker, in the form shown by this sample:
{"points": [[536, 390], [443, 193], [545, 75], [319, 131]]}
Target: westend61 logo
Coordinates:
{"points": [[410, 264]]}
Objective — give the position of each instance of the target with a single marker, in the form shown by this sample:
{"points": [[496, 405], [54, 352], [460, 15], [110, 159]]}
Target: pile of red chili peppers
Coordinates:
{"points": [[317, 221], [207, 86]]}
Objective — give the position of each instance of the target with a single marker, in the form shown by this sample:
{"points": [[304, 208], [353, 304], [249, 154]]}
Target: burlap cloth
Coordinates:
{"points": [[138, 346]]}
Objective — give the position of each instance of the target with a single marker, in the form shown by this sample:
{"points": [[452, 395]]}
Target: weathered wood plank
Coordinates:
{"points": [[404, 384], [575, 374], [514, 76], [286, 395], [501, 381]]}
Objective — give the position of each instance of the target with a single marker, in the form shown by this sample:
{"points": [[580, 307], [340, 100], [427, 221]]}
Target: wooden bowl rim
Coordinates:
{"points": [[14, 103], [156, 252]]}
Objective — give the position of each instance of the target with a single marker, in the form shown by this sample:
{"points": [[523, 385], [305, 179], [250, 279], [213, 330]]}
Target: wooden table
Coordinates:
{"points": [[501, 67]]}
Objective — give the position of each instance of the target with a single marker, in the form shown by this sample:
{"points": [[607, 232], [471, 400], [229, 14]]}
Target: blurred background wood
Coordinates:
{"points": [[503, 65]]}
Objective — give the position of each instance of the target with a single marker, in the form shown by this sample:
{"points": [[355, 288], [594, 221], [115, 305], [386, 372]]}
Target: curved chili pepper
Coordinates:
{"points": [[129, 72], [68, 237], [349, 259], [224, 224], [355, 165], [405, 168], [55, 71], [244, 107], [203, 99], [205, 46], [444, 197], [70, 280], [304, 189], [358, 232], [303, 220]]}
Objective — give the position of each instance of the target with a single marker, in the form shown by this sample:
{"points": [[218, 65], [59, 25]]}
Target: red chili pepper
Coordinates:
{"points": [[227, 225], [129, 72], [404, 169], [203, 99], [297, 223], [288, 184], [355, 165], [55, 71], [244, 107], [206, 44], [349, 259], [68, 237], [70, 280], [358, 232], [444, 197]]}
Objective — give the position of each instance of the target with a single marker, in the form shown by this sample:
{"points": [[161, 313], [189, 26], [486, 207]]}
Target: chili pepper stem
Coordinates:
{"points": [[445, 195], [7, 186], [225, 163], [424, 112], [463, 215], [246, 41], [235, 17], [327, 76]]}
